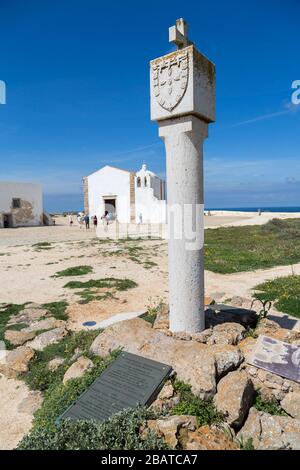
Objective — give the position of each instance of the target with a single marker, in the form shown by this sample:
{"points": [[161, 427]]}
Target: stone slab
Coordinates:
{"points": [[128, 382], [277, 357]]}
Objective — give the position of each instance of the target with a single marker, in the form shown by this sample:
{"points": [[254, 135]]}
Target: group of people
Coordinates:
{"points": [[83, 219]]}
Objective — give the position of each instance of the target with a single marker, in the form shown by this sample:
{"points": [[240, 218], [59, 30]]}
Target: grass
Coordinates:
{"points": [[74, 271], [6, 313], [246, 248], [271, 406], [284, 292], [57, 309], [39, 377], [90, 289], [189, 404]]}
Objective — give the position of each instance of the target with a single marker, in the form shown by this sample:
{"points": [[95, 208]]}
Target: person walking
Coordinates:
{"points": [[95, 221], [87, 221]]}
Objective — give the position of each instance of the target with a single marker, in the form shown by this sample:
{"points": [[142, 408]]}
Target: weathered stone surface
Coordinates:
{"points": [[210, 438], [269, 385], [16, 361], [78, 369], [17, 338], [166, 392], [47, 338], [234, 397], [192, 361], [55, 363], [182, 335], [28, 315], [162, 318], [203, 336], [246, 346], [46, 324], [227, 358], [31, 403], [271, 328], [291, 404], [271, 432], [168, 428], [227, 333]]}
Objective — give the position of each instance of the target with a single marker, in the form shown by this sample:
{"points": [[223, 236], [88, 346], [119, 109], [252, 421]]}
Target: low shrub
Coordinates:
{"points": [[269, 406], [120, 432], [74, 271], [189, 404]]}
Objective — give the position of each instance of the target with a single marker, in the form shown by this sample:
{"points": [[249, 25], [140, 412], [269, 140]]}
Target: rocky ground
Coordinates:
{"points": [[213, 363]]}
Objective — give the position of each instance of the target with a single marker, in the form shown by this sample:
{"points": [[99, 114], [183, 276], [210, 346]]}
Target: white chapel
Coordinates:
{"points": [[130, 197]]}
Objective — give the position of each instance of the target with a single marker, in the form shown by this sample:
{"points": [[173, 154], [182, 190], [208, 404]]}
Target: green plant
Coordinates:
{"points": [[245, 444], [246, 248], [283, 291], [74, 271], [265, 307], [120, 432], [189, 404], [39, 377], [57, 309], [6, 312], [90, 288], [269, 406]]}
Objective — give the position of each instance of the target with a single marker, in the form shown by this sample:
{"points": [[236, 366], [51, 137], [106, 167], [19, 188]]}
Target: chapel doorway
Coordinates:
{"points": [[7, 221], [110, 207]]}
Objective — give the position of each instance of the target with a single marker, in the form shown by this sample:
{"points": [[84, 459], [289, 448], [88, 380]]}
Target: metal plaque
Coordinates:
{"points": [[277, 357], [128, 382]]}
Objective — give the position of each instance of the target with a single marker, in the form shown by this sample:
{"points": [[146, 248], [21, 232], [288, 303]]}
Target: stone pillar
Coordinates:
{"points": [[183, 103]]}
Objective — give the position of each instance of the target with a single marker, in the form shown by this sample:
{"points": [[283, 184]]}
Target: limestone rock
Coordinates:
{"points": [[78, 369], [291, 404], [227, 333], [271, 328], [46, 324], [55, 363], [271, 432], [166, 392], [28, 315], [203, 336], [269, 385], [168, 428], [182, 335], [227, 358], [47, 338], [246, 346], [190, 360], [162, 318], [234, 397], [16, 361], [208, 300], [210, 438], [17, 338]]}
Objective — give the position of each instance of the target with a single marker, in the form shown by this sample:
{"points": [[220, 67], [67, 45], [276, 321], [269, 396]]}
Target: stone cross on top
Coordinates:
{"points": [[179, 34]]}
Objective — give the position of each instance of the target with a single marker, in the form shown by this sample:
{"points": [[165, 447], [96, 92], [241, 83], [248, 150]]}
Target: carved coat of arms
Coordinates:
{"points": [[170, 78]]}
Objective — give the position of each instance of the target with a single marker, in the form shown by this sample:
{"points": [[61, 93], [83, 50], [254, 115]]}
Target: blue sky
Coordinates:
{"points": [[77, 80]]}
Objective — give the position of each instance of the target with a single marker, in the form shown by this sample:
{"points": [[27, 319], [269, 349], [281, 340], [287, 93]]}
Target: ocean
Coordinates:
{"points": [[255, 209]]}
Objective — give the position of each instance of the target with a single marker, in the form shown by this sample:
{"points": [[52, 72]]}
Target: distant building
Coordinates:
{"points": [[21, 204], [127, 196]]}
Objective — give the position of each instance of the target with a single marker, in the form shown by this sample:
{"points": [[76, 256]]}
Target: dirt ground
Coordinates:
{"points": [[27, 272]]}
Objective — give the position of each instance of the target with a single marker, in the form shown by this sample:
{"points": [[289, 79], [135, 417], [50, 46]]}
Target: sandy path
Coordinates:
{"points": [[17, 405]]}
